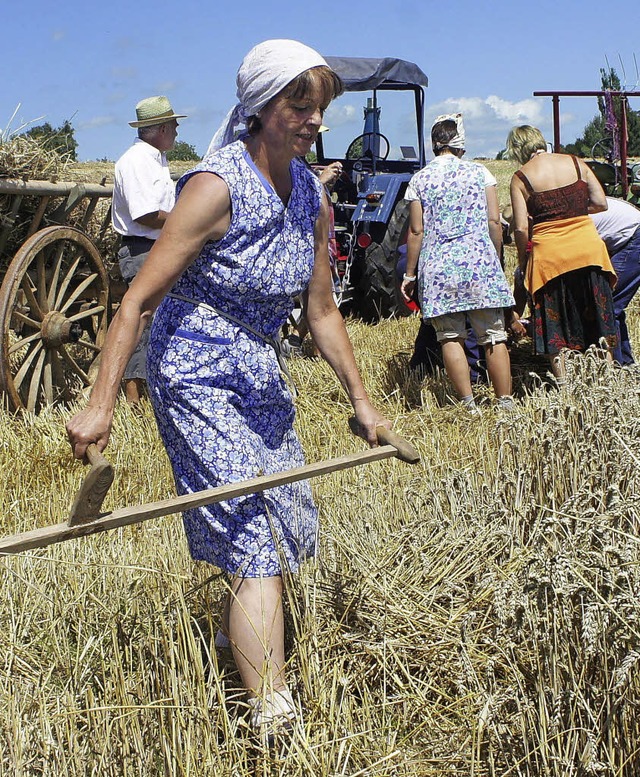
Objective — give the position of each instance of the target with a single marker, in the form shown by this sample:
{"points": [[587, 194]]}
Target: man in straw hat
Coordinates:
{"points": [[143, 195]]}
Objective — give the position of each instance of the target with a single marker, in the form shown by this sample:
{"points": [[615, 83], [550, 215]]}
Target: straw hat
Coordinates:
{"points": [[154, 110]]}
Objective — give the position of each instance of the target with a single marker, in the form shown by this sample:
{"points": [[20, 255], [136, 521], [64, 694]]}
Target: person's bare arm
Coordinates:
{"points": [[597, 198], [414, 246], [493, 217], [201, 214], [520, 221], [330, 334], [154, 220], [330, 174]]}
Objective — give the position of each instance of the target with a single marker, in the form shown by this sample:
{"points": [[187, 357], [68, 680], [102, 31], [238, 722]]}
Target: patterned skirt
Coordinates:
{"points": [[574, 311], [225, 415]]}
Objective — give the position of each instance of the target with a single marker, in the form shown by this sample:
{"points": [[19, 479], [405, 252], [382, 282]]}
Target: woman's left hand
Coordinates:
{"points": [[518, 329], [368, 418]]}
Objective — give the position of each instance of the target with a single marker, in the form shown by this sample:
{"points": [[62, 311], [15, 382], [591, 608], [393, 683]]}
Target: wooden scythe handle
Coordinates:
{"points": [[86, 519], [93, 490]]}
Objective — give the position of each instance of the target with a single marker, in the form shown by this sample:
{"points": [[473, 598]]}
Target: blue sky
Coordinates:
{"points": [[91, 63]]}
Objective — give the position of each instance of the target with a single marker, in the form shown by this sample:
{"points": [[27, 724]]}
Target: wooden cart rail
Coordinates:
{"points": [[74, 194]]}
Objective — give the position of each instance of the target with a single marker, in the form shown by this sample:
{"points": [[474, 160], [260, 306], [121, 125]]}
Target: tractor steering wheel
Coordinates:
{"points": [[355, 150]]}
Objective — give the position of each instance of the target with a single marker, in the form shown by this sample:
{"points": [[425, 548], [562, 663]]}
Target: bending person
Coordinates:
{"points": [[619, 227], [249, 232]]}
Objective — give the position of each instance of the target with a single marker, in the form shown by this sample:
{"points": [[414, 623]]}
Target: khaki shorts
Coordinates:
{"points": [[488, 324]]}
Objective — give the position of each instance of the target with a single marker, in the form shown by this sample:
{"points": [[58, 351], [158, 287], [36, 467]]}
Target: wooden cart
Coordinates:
{"points": [[56, 293]]}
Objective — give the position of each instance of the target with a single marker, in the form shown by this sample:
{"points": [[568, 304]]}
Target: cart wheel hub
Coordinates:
{"points": [[58, 330]]}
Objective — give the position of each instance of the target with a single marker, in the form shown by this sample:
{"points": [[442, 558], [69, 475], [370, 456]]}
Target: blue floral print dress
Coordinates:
{"points": [[458, 268], [224, 411]]}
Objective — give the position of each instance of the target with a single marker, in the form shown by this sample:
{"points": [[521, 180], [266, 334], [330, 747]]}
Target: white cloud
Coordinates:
{"points": [[340, 115], [488, 120], [57, 35], [97, 121], [523, 112]]}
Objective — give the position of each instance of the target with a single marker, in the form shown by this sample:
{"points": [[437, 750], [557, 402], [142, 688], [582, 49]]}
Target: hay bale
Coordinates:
{"points": [[26, 158]]}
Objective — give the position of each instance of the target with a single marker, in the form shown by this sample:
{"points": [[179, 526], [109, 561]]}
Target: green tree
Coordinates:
{"points": [[593, 132], [183, 152], [59, 139]]}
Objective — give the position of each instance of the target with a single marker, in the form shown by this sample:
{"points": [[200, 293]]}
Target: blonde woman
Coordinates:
{"points": [[566, 266]]}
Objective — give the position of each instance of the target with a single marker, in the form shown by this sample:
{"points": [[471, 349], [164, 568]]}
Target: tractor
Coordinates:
{"points": [[371, 214]]}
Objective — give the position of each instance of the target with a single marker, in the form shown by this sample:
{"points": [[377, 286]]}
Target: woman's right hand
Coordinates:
{"points": [[91, 425], [407, 288], [367, 419]]}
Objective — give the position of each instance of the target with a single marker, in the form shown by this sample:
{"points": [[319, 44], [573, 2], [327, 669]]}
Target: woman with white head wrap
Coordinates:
{"points": [[266, 70], [453, 249], [249, 232]]}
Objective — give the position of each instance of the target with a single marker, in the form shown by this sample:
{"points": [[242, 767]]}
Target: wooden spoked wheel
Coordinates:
{"points": [[54, 313]]}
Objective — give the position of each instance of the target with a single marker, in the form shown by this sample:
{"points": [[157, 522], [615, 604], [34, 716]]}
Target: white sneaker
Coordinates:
{"points": [[291, 350], [272, 716]]}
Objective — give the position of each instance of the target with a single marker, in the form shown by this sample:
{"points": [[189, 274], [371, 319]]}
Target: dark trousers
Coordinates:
{"points": [[131, 256], [626, 263]]}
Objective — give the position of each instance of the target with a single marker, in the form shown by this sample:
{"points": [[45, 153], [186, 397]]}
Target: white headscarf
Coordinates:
{"points": [[264, 72], [459, 139]]}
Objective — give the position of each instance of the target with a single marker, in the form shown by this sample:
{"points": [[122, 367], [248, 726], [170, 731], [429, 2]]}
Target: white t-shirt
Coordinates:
{"points": [[617, 224], [489, 178], [142, 184]]}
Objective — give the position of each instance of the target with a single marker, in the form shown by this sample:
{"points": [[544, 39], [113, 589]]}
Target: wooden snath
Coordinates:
{"points": [[86, 519]]}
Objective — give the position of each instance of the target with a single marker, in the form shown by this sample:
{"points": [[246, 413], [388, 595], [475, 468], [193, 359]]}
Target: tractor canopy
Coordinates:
{"points": [[360, 74]]}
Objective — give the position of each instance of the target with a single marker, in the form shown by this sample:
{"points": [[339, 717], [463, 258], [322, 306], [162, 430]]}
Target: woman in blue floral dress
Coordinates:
{"points": [[249, 232], [453, 249]]}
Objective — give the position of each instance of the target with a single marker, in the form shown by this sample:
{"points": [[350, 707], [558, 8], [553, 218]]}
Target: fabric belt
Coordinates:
{"points": [[275, 344], [139, 239]]}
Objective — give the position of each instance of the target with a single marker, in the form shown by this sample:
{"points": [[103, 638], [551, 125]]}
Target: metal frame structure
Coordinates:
{"points": [[622, 127]]}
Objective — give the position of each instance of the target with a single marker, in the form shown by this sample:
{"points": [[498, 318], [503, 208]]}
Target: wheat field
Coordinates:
{"points": [[475, 614]]}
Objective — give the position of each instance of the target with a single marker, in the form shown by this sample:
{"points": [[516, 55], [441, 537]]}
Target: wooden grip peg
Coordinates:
{"points": [[404, 450], [93, 490]]}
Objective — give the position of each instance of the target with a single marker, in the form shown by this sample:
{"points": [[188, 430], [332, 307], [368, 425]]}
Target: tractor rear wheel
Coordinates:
{"points": [[377, 293]]}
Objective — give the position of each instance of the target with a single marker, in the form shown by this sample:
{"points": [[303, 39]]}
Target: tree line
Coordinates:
{"points": [[62, 140]]}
